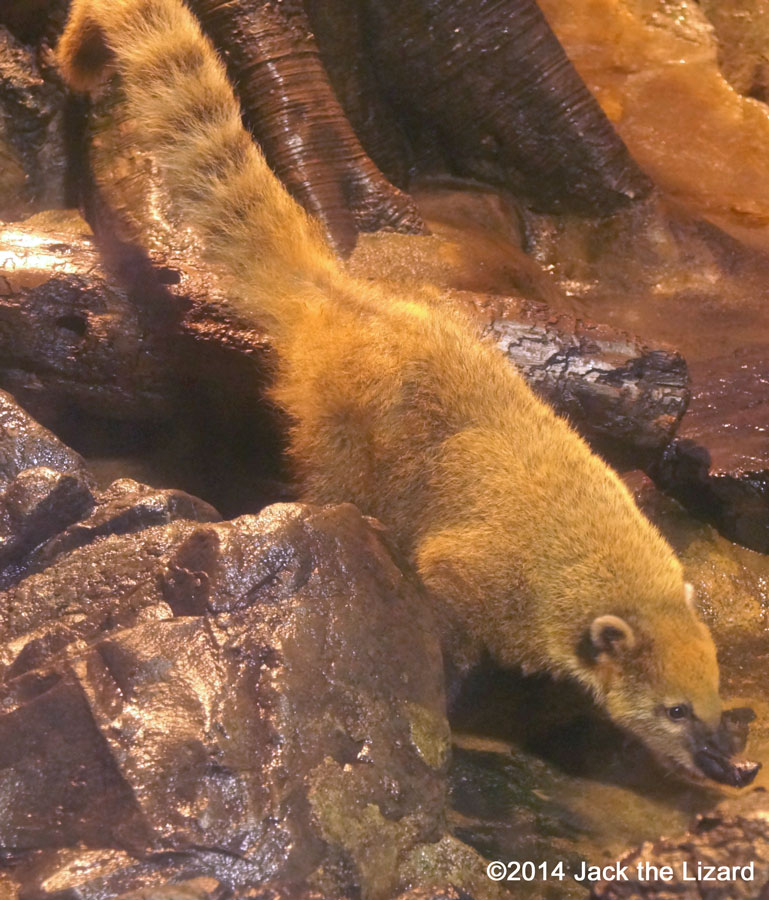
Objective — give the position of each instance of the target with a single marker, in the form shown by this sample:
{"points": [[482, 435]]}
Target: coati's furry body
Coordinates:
{"points": [[521, 534]]}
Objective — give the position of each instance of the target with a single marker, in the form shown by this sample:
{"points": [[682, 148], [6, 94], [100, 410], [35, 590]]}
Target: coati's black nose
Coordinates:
{"points": [[714, 757], [737, 773]]}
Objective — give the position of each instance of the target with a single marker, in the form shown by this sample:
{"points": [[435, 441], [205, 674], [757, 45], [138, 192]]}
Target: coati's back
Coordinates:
{"points": [[525, 537]]}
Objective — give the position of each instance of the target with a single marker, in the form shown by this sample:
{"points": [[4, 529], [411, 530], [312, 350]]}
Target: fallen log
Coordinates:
{"points": [[71, 333], [624, 396], [718, 466]]}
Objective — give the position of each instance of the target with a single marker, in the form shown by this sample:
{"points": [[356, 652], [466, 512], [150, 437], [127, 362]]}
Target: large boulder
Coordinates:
{"points": [[194, 707]]}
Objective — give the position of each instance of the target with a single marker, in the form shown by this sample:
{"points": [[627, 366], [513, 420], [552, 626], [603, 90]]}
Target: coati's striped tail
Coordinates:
{"points": [[220, 183]]}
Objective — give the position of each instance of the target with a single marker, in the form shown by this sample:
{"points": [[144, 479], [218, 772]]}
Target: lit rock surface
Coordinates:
{"points": [[719, 464], [192, 708], [653, 67], [742, 30]]}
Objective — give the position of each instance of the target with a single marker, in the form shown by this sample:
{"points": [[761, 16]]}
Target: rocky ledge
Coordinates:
{"points": [[199, 708]]}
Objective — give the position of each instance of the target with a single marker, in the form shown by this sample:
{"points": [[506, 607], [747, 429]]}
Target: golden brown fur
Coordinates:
{"points": [[522, 535]]}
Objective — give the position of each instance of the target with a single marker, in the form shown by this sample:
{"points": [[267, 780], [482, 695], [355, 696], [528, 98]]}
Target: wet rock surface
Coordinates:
{"points": [[194, 708], [741, 28], [44, 486], [653, 66], [719, 463], [24, 445], [70, 333], [33, 158]]}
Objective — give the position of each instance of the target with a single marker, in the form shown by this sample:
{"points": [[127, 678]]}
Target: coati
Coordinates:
{"points": [[523, 537]]}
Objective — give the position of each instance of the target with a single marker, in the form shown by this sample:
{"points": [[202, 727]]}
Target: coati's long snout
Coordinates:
{"points": [[714, 752]]}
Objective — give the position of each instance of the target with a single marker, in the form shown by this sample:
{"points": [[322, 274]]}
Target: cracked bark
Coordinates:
{"points": [[502, 101], [295, 116], [72, 334]]}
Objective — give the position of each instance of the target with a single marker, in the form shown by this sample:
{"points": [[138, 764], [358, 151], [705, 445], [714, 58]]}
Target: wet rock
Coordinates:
{"points": [[54, 591], [126, 507], [82, 874], [24, 444], [33, 163], [60, 784], [260, 702], [194, 889], [44, 486], [69, 333], [34, 20], [653, 67], [504, 804], [435, 893], [742, 29], [724, 857], [37, 505], [83, 594]]}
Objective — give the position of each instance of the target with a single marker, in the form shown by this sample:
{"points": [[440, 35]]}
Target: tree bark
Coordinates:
{"points": [[491, 82], [296, 118]]}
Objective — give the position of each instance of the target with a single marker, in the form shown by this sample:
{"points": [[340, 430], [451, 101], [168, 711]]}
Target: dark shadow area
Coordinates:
{"points": [[228, 450], [557, 722]]}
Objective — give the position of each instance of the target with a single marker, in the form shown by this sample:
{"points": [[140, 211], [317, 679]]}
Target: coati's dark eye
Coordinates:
{"points": [[678, 712]]}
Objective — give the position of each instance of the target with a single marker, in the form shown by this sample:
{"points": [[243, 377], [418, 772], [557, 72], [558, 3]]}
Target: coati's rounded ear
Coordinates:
{"points": [[610, 635]]}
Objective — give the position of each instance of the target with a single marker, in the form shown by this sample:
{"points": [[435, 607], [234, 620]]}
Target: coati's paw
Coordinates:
{"points": [[82, 53]]}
